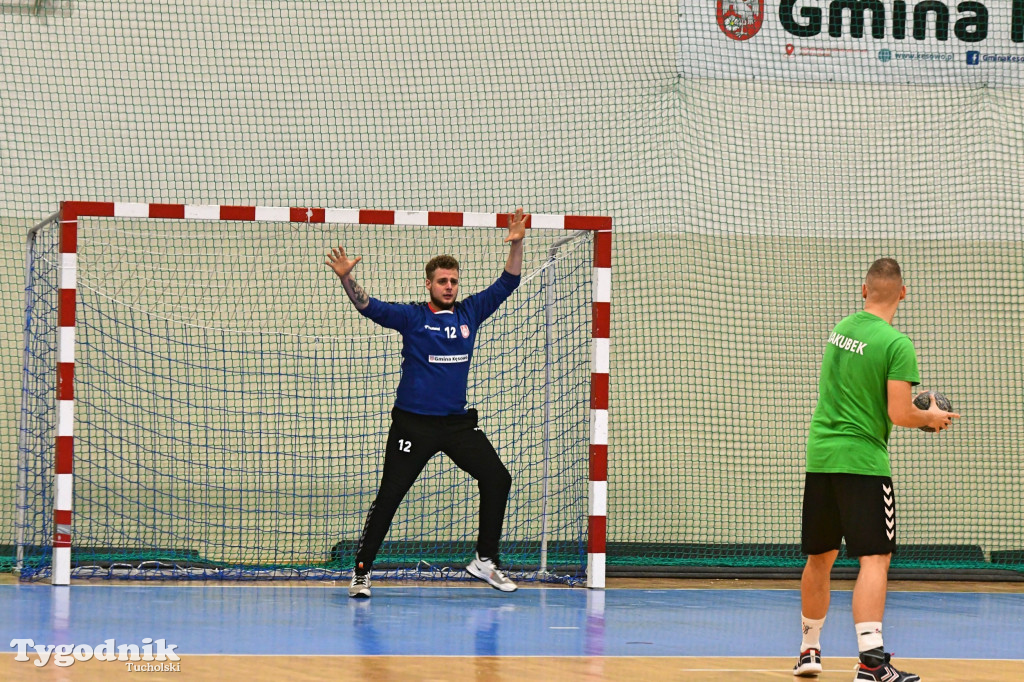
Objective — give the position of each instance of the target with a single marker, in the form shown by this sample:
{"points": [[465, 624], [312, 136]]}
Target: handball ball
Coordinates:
{"points": [[923, 399]]}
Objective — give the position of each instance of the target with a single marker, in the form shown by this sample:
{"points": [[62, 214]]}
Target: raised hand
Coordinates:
{"points": [[517, 226], [340, 263]]}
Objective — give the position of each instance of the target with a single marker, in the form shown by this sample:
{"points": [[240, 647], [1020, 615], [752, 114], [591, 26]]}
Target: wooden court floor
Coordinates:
{"points": [[498, 669], [226, 665]]}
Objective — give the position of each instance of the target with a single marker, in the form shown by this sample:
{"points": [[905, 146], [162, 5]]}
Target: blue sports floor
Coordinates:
{"points": [[478, 621]]}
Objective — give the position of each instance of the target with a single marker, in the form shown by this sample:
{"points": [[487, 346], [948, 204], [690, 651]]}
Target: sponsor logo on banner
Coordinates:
{"points": [[740, 19], [881, 41]]}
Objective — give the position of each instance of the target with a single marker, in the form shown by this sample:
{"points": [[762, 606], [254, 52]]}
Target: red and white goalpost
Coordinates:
{"points": [[71, 212]]}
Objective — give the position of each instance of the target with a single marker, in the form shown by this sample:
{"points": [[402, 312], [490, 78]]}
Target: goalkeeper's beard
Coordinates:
{"points": [[440, 304]]}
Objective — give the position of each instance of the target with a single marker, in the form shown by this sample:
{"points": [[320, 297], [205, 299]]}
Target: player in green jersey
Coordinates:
{"points": [[867, 373]]}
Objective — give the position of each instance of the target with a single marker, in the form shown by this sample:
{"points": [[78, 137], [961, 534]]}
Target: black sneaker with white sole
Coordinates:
{"points": [[809, 664], [884, 673]]}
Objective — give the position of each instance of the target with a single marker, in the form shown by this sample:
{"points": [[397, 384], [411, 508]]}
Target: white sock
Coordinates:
{"points": [[869, 636], [812, 633]]}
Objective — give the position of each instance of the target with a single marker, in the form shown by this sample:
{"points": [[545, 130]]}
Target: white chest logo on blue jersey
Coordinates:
{"points": [[447, 359], [465, 331]]}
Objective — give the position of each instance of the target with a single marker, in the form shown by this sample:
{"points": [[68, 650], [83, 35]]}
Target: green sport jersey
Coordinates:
{"points": [[850, 428]]}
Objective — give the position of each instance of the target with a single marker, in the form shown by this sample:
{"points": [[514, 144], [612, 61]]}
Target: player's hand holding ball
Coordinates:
{"points": [[933, 401]]}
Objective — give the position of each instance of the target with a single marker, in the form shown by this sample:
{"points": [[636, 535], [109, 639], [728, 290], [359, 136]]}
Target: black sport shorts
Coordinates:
{"points": [[861, 509]]}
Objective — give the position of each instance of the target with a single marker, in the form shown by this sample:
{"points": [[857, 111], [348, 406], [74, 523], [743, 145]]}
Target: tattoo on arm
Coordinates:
{"points": [[355, 293]]}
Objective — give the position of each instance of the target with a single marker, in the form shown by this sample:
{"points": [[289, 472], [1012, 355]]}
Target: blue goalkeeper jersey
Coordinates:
{"points": [[437, 346]]}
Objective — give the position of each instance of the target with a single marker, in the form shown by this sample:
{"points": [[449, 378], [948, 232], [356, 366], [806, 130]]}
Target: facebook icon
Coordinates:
{"points": [[973, 57]]}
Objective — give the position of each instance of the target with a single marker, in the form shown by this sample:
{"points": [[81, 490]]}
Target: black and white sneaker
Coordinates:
{"points": [[884, 673], [488, 571], [809, 664], [360, 586]]}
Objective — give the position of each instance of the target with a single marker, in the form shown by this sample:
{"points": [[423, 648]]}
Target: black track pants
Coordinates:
{"points": [[412, 441]]}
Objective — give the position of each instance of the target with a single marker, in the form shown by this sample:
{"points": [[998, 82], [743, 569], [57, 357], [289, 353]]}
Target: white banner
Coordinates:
{"points": [[877, 41]]}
